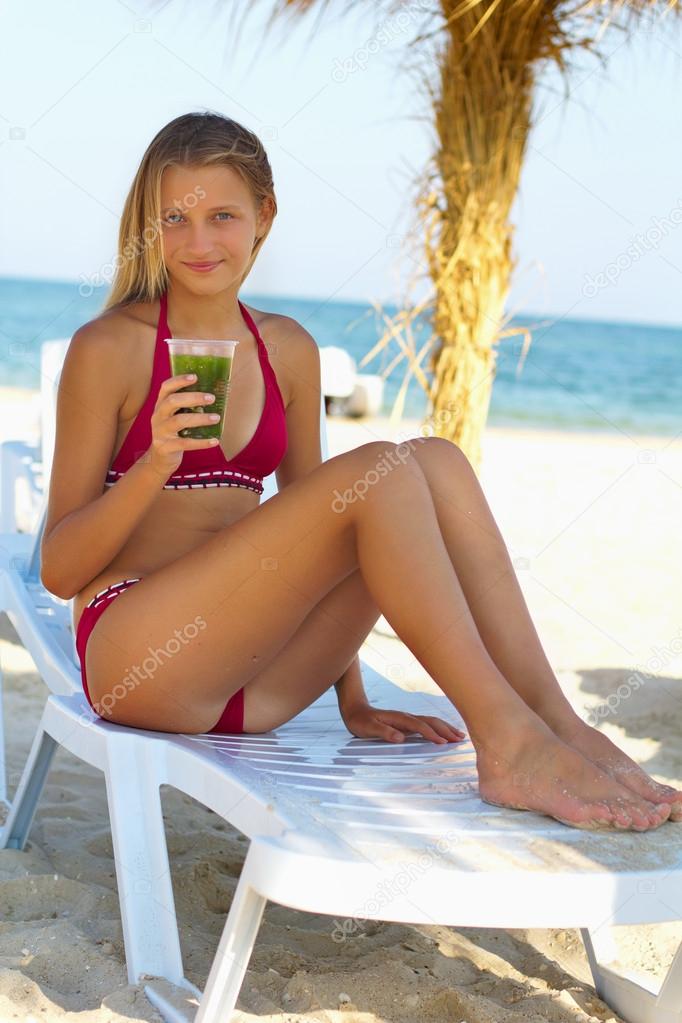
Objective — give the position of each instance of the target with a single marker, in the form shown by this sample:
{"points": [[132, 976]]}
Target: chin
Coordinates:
{"points": [[214, 281]]}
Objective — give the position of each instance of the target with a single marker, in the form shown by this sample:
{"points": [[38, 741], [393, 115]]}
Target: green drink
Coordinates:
{"points": [[211, 361]]}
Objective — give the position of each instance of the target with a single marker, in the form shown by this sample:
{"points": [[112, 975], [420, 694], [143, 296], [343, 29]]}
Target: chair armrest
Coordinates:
{"points": [[21, 486]]}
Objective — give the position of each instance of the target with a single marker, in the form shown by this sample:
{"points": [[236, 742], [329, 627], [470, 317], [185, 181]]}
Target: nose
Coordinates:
{"points": [[199, 245]]}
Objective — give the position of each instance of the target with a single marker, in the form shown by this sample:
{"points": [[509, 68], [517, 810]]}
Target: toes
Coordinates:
{"points": [[661, 812], [651, 814], [668, 790], [674, 808], [673, 797], [598, 814], [629, 813]]}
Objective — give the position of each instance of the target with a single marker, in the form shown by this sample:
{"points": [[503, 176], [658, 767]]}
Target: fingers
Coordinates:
{"points": [[432, 728], [170, 384], [450, 732], [190, 398], [190, 443], [181, 420]]}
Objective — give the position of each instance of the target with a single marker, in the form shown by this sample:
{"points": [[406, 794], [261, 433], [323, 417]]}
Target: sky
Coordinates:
{"points": [[85, 86]]}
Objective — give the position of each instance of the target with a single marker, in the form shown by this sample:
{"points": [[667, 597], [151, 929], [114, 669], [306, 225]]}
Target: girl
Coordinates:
{"points": [[199, 609]]}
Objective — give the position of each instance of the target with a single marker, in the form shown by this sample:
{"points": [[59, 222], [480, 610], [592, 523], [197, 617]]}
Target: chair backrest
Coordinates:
{"points": [[52, 357], [338, 371], [52, 354]]}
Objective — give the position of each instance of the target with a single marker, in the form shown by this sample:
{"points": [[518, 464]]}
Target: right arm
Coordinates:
{"points": [[85, 528]]}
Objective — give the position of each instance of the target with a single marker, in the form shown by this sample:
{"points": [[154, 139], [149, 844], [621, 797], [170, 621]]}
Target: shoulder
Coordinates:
{"points": [[284, 329], [112, 328], [293, 348], [107, 345]]}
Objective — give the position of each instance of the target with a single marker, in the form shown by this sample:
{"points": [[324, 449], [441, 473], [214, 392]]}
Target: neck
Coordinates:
{"points": [[203, 316]]}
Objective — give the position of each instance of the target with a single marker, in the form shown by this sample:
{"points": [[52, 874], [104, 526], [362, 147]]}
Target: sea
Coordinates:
{"points": [[577, 375]]}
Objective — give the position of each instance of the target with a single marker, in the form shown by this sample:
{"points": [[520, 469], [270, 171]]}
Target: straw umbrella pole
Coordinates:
{"points": [[478, 61]]}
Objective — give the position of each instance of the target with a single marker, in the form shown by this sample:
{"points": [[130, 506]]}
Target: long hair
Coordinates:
{"points": [[194, 139]]}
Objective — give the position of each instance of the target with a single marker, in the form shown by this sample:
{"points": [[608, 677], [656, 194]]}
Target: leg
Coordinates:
{"points": [[480, 558], [254, 582], [316, 655]]}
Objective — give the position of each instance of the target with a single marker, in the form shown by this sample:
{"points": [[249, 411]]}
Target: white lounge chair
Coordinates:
{"points": [[357, 829]]}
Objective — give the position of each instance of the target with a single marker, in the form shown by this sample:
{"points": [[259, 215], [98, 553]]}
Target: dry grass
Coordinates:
{"points": [[478, 62]]}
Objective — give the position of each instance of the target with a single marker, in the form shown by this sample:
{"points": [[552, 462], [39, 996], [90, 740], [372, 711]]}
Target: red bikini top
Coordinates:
{"points": [[208, 467]]}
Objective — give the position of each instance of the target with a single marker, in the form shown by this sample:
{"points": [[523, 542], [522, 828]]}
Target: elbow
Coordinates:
{"points": [[55, 585]]}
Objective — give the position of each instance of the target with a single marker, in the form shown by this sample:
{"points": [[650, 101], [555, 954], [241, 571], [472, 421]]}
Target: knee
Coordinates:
{"points": [[385, 454], [376, 448], [369, 455], [442, 450], [369, 463], [435, 453]]}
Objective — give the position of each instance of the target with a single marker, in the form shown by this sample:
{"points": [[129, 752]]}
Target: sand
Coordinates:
{"points": [[593, 523]]}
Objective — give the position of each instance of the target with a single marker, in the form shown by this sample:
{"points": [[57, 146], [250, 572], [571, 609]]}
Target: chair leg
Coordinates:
{"points": [[3, 770], [634, 1002], [234, 951], [22, 811], [225, 978], [145, 889], [670, 996]]}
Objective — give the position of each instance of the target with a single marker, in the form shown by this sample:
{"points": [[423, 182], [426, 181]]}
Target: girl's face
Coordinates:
{"points": [[207, 216]]}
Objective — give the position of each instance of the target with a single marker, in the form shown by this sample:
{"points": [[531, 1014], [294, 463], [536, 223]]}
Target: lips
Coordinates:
{"points": [[203, 266]]}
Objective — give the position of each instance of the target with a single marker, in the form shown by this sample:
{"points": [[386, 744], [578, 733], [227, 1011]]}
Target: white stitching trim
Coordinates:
{"points": [[111, 591]]}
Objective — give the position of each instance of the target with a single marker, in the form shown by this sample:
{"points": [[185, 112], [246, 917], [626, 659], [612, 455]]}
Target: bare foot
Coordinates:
{"points": [[536, 770], [598, 748]]}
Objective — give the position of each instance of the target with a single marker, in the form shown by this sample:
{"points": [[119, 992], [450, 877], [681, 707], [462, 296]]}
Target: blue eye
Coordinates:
{"points": [[220, 213]]}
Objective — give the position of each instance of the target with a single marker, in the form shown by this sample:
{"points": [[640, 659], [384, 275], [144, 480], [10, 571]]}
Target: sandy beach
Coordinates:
{"points": [[592, 522]]}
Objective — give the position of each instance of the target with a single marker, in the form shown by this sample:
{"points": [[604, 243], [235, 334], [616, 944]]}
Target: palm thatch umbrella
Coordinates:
{"points": [[478, 62]]}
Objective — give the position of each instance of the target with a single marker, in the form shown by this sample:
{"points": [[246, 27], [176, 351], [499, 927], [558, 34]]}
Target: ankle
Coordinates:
{"points": [[560, 716], [510, 735]]}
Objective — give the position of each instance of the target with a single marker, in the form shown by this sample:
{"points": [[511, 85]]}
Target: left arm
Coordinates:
{"points": [[301, 357], [349, 688]]}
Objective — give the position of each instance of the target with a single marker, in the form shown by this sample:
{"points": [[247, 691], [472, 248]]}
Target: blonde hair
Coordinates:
{"points": [[194, 139]]}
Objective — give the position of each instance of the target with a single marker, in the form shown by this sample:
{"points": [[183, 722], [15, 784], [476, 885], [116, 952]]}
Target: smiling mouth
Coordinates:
{"points": [[203, 266]]}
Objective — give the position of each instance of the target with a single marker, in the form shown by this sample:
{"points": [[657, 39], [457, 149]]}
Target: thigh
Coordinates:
{"points": [[314, 658], [216, 616]]}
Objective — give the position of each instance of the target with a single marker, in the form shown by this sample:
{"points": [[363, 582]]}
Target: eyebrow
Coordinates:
{"points": [[225, 206]]}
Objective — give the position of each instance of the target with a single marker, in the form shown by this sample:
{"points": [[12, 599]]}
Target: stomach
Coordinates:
{"points": [[178, 522]]}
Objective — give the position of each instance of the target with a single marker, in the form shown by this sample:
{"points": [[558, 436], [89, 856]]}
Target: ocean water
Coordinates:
{"points": [[578, 374]]}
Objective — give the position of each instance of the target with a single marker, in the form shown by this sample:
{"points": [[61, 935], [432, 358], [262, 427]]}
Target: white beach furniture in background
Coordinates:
{"points": [[357, 829], [356, 394]]}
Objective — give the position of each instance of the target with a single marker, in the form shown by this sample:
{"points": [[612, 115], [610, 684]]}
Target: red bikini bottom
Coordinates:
{"points": [[232, 717]]}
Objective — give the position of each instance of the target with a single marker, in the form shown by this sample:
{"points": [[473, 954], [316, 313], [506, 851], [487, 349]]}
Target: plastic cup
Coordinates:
{"points": [[212, 363]]}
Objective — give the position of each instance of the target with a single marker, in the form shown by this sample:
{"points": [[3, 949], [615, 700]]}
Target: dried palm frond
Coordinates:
{"points": [[478, 64]]}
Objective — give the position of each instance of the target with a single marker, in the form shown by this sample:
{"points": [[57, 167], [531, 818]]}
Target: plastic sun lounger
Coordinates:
{"points": [[356, 829]]}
